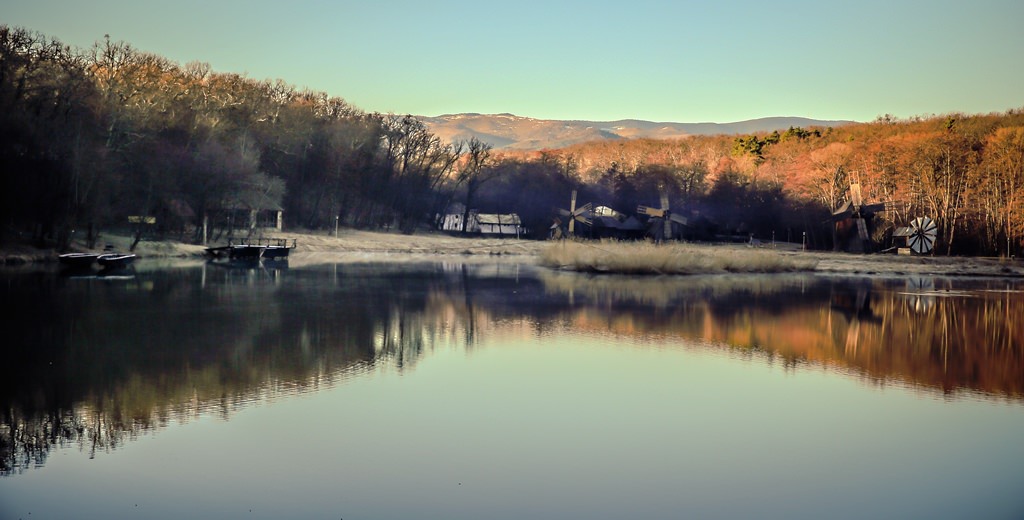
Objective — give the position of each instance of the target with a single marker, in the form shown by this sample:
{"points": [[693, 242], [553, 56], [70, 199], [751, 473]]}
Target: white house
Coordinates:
{"points": [[484, 223], [501, 225]]}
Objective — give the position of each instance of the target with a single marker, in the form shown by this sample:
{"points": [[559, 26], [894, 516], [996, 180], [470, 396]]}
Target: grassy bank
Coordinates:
{"points": [[649, 258], [610, 257]]}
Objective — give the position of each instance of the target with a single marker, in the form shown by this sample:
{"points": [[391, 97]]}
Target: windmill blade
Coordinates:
{"points": [[877, 207], [862, 230], [929, 227], [572, 227], [929, 242], [843, 212], [584, 209], [584, 213], [929, 233], [679, 219], [855, 195], [918, 244], [572, 205], [664, 201], [649, 211], [564, 212]]}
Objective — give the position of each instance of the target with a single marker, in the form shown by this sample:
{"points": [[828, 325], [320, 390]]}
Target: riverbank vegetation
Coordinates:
{"points": [[113, 138], [650, 258]]}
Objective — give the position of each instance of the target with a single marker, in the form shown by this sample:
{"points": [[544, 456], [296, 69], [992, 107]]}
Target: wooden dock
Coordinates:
{"points": [[252, 249]]}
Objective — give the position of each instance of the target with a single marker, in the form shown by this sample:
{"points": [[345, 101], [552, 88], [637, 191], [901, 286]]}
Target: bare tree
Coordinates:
{"points": [[417, 163], [475, 173]]}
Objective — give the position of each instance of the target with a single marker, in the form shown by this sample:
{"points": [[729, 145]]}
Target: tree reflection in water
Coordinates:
{"points": [[942, 334], [95, 363]]}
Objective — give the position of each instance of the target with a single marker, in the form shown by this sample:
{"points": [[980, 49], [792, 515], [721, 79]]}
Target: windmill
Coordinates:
{"points": [[573, 214], [854, 302], [855, 209], [923, 232], [920, 294], [662, 218]]}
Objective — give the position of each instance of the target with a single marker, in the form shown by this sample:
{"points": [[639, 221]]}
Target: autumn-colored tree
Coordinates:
{"points": [[830, 177], [942, 167], [91, 137], [1003, 169]]}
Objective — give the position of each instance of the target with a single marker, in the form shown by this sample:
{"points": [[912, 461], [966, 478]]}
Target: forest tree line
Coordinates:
{"points": [[963, 171], [93, 139], [114, 137]]}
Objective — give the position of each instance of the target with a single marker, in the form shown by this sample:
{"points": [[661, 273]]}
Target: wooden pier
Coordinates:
{"points": [[252, 249]]}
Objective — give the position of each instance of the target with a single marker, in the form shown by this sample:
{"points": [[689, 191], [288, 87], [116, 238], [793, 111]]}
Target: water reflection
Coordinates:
{"points": [[96, 362], [943, 334]]}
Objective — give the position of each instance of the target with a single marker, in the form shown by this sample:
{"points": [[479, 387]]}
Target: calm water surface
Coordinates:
{"points": [[450, 390]]}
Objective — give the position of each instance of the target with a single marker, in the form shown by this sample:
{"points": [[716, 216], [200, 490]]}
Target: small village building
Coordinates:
{"points": [[178, 216], [619, 228], [486, 224], [608, 223], [253, 211], [452, 222], [501, 225], [901, 239]]}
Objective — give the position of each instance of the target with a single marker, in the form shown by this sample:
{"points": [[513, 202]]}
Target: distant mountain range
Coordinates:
{"points": [[511, 132]]}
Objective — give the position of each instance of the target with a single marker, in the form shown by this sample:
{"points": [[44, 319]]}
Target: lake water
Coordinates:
{"points": [[499, 390]]}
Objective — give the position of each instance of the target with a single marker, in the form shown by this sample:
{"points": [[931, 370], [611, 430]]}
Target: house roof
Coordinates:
{"points": [[491, 219], [627, 224], [904, 231]]}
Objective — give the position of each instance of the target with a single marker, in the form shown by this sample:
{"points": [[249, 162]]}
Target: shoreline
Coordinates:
{"points": [[359, 245]]}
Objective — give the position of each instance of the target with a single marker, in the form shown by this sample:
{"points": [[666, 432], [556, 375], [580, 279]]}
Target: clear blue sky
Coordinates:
{"points": [[674, 61]]}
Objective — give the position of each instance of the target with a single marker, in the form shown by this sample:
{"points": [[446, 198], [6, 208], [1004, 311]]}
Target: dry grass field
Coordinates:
{"points": [[674, 258], [588, 256]]}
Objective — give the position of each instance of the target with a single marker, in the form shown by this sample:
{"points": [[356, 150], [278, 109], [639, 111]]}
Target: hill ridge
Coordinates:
{"points": [[511, 132]]}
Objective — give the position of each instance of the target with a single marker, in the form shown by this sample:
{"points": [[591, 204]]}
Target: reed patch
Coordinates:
{"points": [[651, 258]]}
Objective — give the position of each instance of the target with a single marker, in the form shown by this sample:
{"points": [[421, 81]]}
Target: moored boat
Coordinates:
{"points": [[246, 252], [276, 252], [278, 248], [78, 260], [115, 260], [252, 249]]}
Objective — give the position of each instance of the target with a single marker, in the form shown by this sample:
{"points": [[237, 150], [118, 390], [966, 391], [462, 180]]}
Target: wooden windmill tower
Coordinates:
{"points": [[661, 218], [574, 215], [859, 214]]}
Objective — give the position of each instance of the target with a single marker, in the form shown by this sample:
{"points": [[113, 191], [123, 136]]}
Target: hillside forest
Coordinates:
{"points": [[110, 138]]}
